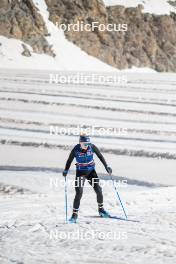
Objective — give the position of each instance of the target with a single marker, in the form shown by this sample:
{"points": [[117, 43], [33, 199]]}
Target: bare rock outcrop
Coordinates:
{"points": [[150, 40], [21, 20]]}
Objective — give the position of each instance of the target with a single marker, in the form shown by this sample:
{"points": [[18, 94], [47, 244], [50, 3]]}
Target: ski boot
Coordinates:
{"points": [[102, 212], [74, 217]]}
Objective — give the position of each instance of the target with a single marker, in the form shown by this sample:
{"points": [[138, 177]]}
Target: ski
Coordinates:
{"points": [[118, 218], [123, 219], [115, 218], [107, 215]]}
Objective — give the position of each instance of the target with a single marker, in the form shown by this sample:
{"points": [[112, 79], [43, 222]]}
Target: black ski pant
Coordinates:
{"points": [[79, 185]]}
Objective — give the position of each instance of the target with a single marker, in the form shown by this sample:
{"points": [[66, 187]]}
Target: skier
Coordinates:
{"points": [[85, 169]]}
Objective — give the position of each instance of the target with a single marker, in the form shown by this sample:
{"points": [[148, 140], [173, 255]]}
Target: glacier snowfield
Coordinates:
{"points": [[32, 159]]}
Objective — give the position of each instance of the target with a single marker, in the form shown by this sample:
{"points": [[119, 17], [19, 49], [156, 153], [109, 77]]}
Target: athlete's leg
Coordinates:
{"points": [[79, 184], [95, 183]]}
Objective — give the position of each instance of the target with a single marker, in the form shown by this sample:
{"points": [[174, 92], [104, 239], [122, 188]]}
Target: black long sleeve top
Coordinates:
{"points": [[95, 150]]}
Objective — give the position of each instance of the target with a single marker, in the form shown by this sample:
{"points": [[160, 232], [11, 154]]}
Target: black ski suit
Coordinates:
{"points": [[90, 175]]}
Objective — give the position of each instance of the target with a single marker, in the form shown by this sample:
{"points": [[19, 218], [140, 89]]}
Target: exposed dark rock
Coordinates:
{"points": [[21, 20], [26, 51], [149, 42]]}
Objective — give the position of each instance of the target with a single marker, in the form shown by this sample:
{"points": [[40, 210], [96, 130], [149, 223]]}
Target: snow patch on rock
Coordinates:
{"points": [[159, 7]]}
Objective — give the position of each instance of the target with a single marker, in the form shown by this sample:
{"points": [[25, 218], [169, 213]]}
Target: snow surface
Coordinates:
{"points": [[32, 222], [145, 107], [33, 229], [158, 7]]}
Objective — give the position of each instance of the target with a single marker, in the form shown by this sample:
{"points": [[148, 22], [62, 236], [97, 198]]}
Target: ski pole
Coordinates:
{"points": [[115, 188], [66, 201]]}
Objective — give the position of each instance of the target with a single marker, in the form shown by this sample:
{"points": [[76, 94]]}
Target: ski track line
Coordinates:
{"points": [[125, 151], [81, 88], [40, 124], [124, 138], [91, 98], [57, 170], [87, 117], [113, 109]]}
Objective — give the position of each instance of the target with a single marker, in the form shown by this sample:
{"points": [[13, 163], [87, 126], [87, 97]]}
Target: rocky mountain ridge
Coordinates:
{"points": [[150, 40]]}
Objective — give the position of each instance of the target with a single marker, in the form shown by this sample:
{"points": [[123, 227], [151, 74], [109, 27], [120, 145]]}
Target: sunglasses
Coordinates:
{"points": [[85, 144]]}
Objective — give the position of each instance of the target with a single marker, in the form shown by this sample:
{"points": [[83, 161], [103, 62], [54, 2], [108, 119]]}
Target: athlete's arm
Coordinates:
{"points": [[99, 155], [69, 161]]}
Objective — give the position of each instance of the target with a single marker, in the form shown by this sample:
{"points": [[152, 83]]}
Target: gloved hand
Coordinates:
{"points": [[64, 173], [109, 170]]}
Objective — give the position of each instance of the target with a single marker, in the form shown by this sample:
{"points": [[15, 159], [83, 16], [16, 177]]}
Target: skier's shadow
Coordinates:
{"points": [[112, 217]]}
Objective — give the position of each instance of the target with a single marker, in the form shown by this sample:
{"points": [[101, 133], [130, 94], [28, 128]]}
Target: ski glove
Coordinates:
{"points": [[64, 173], [109, 170]]}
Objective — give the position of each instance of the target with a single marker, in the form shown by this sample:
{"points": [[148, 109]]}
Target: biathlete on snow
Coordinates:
{"points": [[85, 170]]}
